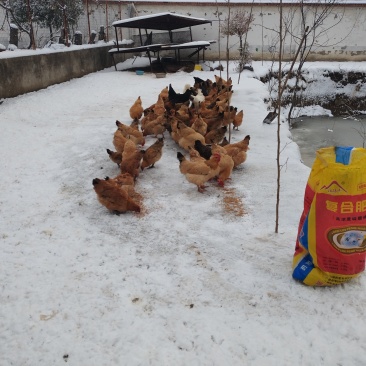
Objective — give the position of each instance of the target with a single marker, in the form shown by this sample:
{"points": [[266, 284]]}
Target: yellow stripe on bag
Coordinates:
{"points": [[320, 278]]}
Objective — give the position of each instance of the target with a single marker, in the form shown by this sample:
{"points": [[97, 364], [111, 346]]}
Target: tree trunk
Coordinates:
{"points": [[106, 21], [67, 43], [88, 15], [31, 32], [227, 64], [51, 32], [279, 124]]}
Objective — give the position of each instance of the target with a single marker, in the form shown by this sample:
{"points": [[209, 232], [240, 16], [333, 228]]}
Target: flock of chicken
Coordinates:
{"points": [[197, 120]]}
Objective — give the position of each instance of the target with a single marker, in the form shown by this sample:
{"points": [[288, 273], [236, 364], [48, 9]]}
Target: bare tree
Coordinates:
{"points": [[313, 34], [63, 7], [226, 25], [279, 121], [352, 114], [88, 17], [218, 14], [310, 34], [307, 24], [236, 24], [239, 25]]}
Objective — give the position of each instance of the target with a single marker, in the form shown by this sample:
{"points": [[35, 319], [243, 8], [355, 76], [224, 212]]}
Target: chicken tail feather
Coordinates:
{"points": [[180, 156]]}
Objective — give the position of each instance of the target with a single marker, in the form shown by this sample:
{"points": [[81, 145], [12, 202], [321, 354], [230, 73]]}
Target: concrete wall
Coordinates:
{"points": [[25, 74], [340, 37]]}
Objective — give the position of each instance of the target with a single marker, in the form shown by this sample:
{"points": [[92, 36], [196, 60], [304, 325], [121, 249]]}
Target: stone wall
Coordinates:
{"points": [[25, 74]]}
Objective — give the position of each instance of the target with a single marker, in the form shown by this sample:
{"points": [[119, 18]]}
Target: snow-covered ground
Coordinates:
{"points": [[195, 279]]}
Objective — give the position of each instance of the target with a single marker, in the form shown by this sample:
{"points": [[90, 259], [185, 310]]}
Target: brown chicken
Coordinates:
{"points": [[199, 125], [206, 112], [131, 133], [127, 182], [226, 164], [135, 124], [136, 110], [213, 123], [184, 114], [224, 89], [131, 159], [113, 197], [152, 154], [155, 127], [212, 104], [199, 172], [212, 95], [149, 116], [159, 107], [115, 156], [229, 115], [238, 120], [222, 82], [215, 136], [222, 104], [124, 180], [173, 123], [187, 136], [119, 140], [164, 94], [224, 96], [238, 151]]}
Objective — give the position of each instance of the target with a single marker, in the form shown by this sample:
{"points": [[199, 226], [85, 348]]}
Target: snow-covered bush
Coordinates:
{"points": [[12, 47]]}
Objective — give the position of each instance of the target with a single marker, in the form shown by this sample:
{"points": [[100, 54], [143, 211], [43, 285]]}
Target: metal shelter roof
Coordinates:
{"points": [[161, 21]]}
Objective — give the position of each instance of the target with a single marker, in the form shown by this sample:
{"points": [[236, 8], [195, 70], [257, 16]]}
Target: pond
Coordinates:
{"points": [[313, 133]]}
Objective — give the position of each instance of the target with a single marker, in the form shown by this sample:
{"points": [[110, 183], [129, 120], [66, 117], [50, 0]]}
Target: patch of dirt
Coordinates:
{"points": [[232, 203]]}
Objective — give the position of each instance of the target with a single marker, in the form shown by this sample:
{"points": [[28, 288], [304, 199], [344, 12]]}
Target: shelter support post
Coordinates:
{"points": [[149, 56], [140, 36], [117, 38], [114, 62]]}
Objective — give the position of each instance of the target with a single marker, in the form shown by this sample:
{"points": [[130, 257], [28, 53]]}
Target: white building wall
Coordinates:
{"points": [[342, 36]]}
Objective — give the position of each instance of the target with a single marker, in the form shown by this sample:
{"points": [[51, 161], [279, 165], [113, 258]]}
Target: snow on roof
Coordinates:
{"points": [[160, 21], [188, 45]]}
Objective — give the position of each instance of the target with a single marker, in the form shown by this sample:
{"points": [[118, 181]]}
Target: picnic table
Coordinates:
{"points": [[161, 21]]}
